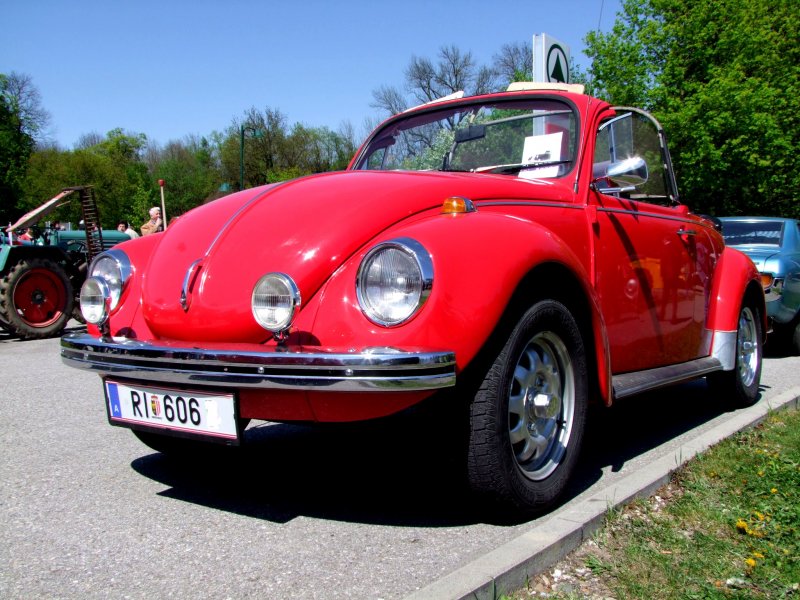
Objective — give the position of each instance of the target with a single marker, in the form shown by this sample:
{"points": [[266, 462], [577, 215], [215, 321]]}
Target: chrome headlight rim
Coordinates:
{"points": [[95, 300], [292, 295], [116, 286], [424, 264]]}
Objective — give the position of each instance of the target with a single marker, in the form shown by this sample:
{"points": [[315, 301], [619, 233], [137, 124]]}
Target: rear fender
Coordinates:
{"points": [[735, 278]]}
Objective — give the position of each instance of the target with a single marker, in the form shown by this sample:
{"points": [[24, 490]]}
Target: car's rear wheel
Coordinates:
{"points": [[794, 338], [528, 416], [36, 298], [739, 386]]}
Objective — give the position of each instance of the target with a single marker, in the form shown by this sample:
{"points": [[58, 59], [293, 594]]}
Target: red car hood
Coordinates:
{"points": [[306, 228]]}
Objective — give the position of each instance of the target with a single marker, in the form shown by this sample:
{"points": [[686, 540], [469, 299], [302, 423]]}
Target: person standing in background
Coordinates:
{"points": [[154, 224], [125, 227]]}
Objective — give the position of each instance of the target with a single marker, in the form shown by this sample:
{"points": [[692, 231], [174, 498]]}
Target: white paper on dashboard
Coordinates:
{"points": [[541, 148]]}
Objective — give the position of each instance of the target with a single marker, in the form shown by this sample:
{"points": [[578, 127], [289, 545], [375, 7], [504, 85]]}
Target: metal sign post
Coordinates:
{"points": [[163, 206]]}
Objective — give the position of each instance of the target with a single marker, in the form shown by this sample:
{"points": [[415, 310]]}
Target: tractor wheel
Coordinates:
{"points": [[36, 298]]}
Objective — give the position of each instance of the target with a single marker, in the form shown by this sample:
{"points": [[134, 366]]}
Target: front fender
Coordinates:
{"points": [[479, 261], [127, 320]]}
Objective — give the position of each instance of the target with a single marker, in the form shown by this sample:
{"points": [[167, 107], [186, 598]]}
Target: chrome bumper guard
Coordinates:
{"points": [[370, 370]]}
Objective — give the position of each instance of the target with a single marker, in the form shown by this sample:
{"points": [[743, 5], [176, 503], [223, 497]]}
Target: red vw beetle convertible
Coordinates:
{"points": [[515, 255]]}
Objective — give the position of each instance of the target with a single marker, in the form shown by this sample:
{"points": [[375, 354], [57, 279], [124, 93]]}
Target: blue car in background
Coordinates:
{"points": [[773, 244]]}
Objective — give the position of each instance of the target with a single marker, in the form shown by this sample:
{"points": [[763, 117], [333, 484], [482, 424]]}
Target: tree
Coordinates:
{"points": [[15, 149], [25, 101], [724, 79], [425, 80], [274, 151], [16, 146], [114, 168], [514, 62], [189, 168]]}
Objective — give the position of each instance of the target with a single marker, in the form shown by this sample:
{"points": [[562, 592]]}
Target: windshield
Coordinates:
{"points": [[530, 138], [741, 233]]}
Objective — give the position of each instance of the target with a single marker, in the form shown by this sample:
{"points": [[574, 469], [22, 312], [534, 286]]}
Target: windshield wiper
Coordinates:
{"points": [[511, 168]]}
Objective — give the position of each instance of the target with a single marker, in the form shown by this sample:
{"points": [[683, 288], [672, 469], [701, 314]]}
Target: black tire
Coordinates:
{"points": [[3, 324], [738, 388], [77, 314], [794, 337], [36, 298], [522, 455]]}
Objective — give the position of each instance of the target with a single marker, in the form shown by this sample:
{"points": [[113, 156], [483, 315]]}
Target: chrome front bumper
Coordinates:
{"points": [[370, 370]]}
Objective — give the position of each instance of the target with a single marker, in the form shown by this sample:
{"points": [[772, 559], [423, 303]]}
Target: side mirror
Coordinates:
{"points": [[631, 171], [625, 175]]}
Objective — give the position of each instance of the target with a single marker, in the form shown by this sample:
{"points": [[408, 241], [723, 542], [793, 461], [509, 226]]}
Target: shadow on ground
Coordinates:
{"points": [[72, 327], [404, 471]]}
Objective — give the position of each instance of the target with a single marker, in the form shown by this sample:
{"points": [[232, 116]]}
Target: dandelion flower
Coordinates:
{"points": [[741, 526], [750, 562]]}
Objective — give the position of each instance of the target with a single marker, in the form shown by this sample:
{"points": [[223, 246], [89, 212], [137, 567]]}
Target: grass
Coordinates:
{"points": [[727, 526]]}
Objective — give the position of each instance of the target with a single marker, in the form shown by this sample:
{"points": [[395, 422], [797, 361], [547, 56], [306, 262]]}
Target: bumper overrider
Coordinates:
{"points": [[371, 369]]}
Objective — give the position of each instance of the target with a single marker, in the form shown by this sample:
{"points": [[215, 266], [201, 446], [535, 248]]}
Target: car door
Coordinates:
{"points": [[652, 272]]}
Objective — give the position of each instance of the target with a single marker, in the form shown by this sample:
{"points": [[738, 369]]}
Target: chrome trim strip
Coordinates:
{"points": [[565, 204], [629, 384], [372, 369], [188, 280], [645, 213]]}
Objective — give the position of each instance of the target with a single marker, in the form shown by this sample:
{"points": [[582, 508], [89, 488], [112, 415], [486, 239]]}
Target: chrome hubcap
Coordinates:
{"points": [[747, 347], [541, 406]]}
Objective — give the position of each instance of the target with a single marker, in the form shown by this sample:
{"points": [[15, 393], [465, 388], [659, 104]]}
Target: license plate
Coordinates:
{"points": [[193, 412]]}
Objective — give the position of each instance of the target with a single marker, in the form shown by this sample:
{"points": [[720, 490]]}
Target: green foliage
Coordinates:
{"points": [[273, 151], [15, 149], [727, 526], [724, 79], [190, 175], [113, 168], [736, 520]]}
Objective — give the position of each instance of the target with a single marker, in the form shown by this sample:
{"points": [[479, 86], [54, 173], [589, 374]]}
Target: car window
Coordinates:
{"points": [[627, 137], [531, 138], [741, 233]]}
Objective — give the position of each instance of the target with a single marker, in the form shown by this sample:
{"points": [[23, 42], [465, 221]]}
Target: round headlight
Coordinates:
{"points": [[114, 268], [394, 280], [275, 301], [95, 300]]}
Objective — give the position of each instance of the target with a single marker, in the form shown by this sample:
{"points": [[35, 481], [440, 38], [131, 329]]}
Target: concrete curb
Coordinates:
{"points": [[508, 567]]}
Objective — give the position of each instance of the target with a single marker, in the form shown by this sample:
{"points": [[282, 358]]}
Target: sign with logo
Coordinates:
{"points": [[550, 60]]}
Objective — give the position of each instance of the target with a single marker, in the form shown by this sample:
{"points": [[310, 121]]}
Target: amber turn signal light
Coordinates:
{"points": [[456, 204]]}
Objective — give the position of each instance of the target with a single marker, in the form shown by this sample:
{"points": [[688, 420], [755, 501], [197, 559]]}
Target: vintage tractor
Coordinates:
{"points": [[40, 280]]}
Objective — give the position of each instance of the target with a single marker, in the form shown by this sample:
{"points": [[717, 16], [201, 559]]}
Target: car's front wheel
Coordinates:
{"points": [[739, 386], [528, 416]]}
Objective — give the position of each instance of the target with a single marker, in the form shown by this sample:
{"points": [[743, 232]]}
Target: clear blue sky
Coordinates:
{"points": [[177, 67]]}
